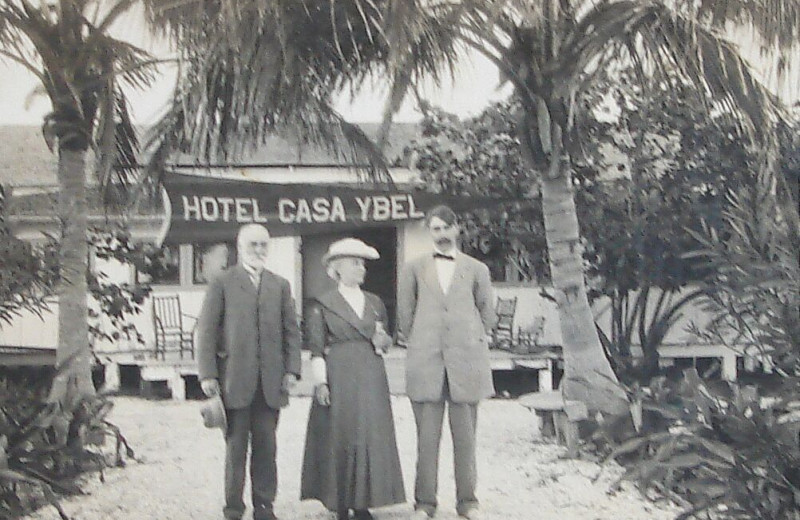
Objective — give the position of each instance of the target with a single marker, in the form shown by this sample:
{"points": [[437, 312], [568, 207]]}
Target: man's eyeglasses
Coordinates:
{"points": [[258, 244]]}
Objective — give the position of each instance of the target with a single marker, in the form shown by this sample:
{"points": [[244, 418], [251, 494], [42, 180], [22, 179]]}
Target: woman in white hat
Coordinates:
{"points": [[351, 461]]}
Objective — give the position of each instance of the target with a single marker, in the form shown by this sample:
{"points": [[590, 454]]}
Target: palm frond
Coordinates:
{"points": [[248, 71], [776, 21], [668, 46]]}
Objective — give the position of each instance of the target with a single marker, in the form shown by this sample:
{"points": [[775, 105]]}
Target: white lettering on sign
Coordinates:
{"points": [[218, 209], [319, 210], [256, 215], [210, 208], [191, 208], [241, 211], [337, 211], [398, 210], [364, 204], [395, 207], [378, 208], [412, 209], [226, 203], [285, 209], [381, 208]]}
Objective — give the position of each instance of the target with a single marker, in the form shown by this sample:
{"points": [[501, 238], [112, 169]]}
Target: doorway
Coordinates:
{"points": [[381, 276]]}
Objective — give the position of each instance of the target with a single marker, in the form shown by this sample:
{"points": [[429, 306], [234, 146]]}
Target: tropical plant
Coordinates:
{"points": [[67, 46], [249, 71], [755, 295], [721, 453], [45, 446]]}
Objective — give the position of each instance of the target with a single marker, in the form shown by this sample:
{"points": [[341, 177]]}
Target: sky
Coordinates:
{"points": [[473, 88]]}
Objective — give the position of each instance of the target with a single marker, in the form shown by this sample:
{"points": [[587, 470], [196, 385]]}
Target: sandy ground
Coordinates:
{"points": [[179, 475]]}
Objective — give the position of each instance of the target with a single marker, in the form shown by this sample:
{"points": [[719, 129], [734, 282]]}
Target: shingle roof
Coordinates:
{"points": [[281, 151], [24, 157], [25, 160]]}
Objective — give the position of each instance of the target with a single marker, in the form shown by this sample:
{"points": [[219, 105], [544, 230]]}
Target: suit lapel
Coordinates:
{"points": [[431, 277], [244, 280], [334, 302], [459, 273], [267, 284]]}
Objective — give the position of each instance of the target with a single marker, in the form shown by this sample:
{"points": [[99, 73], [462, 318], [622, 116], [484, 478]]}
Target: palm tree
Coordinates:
{"points": [[550, 51], [81, 68], [256, 67]]}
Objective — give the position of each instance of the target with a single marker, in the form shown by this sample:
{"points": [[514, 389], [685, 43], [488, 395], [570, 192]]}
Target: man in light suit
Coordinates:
{"points": [[446, 313], [248, 348]]}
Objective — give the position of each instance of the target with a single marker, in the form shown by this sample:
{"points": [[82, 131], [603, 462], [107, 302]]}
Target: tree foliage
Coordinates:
{"points": [[678, 163], [481, 157], [27, 273], [755, 295]]}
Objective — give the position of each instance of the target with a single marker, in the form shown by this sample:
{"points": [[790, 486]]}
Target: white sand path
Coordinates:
{"points": [[180, 473]]}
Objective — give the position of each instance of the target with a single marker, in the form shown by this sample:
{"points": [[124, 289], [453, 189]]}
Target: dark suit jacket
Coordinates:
{"points": [[446, 333], [244, 332]]}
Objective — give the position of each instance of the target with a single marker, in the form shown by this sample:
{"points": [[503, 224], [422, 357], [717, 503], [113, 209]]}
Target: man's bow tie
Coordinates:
{"points": [[443, 256]]}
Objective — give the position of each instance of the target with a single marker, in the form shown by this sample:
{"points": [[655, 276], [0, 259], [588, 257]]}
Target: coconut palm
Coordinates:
{"points": [[254, 67], [81, 68]]}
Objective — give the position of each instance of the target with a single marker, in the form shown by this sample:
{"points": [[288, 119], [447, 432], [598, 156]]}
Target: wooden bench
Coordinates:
{"points": [[559, 417]]}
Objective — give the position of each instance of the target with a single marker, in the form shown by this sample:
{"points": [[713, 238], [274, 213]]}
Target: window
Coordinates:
{"points": [[160, 266], [210, 260]]}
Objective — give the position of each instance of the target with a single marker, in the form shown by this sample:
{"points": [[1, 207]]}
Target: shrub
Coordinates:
{"points": [[725, 452], [46, 446]]}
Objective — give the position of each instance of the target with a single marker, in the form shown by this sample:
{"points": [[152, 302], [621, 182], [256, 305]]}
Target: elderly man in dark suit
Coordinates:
{"points": [[446, 313], [248, 347]]}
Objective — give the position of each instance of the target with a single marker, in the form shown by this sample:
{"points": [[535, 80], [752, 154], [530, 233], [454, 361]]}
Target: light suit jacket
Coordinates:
{"points": [[244, 332], [446, 334]]}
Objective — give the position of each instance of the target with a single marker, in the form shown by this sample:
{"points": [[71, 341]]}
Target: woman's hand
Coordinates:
{"points": [[322, 393], [381, 340]]}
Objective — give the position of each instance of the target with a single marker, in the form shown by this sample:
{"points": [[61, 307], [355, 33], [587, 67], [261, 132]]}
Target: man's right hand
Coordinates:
{"points": [[322, 393], [210, 387]]}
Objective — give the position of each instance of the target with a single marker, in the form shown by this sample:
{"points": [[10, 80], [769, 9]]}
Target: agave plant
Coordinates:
{"points": [[47, 444], [728, 452]]}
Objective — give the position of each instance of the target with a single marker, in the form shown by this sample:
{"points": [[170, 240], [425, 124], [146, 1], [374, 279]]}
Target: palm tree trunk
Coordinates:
{"points": [[73, 327], [588, 375]]}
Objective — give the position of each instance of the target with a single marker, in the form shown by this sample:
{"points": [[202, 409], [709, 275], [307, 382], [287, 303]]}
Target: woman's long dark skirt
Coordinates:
{"points": [[351, 459]]}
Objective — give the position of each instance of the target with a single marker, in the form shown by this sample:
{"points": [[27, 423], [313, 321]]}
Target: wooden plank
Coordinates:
{"points": [[547, 401]]}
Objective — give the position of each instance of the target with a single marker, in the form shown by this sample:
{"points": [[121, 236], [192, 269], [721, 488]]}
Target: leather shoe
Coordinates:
{"points": [[362, 514], [472, 514]]}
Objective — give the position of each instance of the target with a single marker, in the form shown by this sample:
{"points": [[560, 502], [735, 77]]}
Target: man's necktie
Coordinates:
{"points": [[443, 256]]}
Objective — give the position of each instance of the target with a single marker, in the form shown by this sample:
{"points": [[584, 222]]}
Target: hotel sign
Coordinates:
{"points": [[206, 209]]}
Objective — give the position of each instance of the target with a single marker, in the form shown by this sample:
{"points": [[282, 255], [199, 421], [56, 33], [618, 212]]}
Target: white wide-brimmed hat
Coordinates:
{"points": [[350, 247], [213, 413]]}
